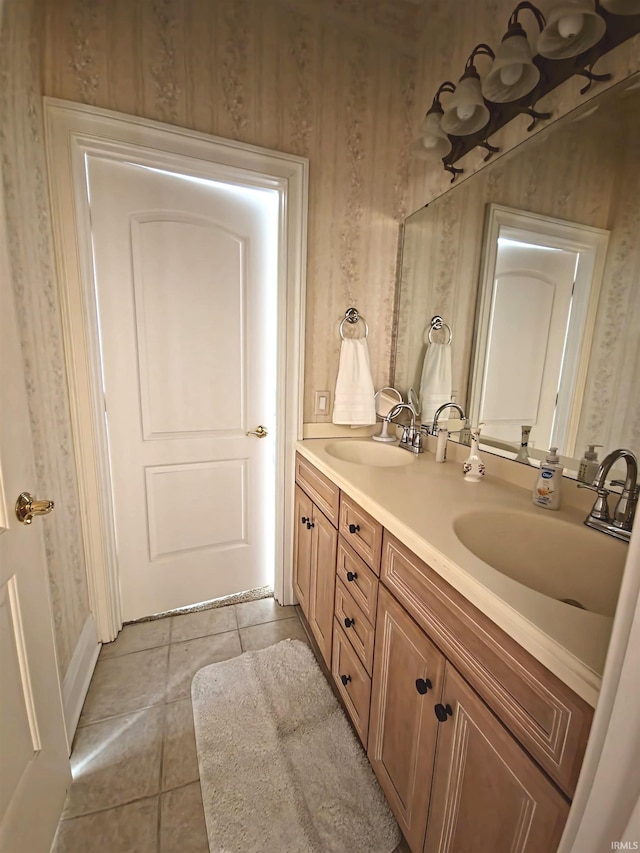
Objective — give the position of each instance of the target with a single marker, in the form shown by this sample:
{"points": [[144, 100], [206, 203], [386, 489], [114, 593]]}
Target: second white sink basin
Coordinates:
{"points": [[369, 453], [560, 559]]}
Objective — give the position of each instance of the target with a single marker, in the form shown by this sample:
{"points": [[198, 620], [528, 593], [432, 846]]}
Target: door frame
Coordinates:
{"points": [[71, 132]]}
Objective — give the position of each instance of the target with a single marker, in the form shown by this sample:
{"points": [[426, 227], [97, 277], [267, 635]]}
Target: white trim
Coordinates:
{"points": [[78, 676], [72, 131], [591, 243]]}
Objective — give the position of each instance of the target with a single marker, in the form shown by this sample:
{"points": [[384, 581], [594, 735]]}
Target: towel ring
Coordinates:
{"points": [[352, 315], [438, 323]]}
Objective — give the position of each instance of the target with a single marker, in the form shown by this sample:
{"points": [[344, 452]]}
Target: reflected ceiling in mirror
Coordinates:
{"points": [[584, 169]]}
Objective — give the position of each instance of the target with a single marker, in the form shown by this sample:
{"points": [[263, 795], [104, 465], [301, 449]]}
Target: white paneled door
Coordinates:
{"points": [[186, 284], [34, 765]]}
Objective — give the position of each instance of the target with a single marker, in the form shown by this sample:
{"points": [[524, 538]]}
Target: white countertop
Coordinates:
{"points": [[418, 503]]}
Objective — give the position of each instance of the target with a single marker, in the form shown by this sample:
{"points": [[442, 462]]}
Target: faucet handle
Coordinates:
{"points": [[600, 509]]}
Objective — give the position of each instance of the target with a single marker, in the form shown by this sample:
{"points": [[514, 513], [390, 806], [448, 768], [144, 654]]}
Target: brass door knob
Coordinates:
{"points": [[27, 507], [260, 431]]}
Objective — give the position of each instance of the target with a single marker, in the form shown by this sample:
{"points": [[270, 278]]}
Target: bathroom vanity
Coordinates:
{"points": [[472, 692]]}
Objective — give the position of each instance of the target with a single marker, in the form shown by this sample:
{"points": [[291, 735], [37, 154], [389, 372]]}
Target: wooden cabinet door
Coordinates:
{"points": [[488, 795], [302, 542], [322, 582], [402, 726]]}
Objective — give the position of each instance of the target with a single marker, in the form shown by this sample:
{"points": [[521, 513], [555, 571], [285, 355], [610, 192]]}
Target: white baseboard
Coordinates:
{"points": [[78, 675]]}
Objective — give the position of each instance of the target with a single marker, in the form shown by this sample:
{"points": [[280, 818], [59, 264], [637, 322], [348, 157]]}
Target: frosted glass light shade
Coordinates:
{"points": [[621, 7], [467, 112], [572, 28], [433, 143], [513, 74]]}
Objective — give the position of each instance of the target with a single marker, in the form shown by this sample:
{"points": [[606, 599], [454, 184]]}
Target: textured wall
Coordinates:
{"points": [[34, 284], [297, 77]]}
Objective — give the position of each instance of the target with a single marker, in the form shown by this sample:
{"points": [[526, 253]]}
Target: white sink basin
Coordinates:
{"points": [[560, 559], [369, 453]]}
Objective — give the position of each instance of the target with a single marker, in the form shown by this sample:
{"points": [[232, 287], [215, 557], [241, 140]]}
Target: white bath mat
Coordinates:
{"points": [[280, 768]]}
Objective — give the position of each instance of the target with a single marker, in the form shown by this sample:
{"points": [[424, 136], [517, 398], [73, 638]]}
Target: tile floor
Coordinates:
{"points": [[135, 772]]}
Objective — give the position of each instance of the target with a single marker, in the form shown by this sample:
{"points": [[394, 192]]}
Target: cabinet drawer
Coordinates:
{"points": [[545, 715], [361, 531], [356, 626], [355, 689], [324, 493], [358, 578]]}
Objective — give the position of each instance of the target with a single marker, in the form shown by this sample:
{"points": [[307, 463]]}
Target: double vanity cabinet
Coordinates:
{"points": [[475, 743]]}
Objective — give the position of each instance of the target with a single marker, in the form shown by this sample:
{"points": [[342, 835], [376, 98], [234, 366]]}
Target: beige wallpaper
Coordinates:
{"points": [[292, 76], [333, 80], [34, 284]]}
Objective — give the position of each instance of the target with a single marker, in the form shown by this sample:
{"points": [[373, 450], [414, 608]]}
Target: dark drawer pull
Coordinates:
{"points": [[310, 524], [354, 528], [443, 711], [349, 622], [422, 685], [352, 576], [305, 520], [345, 679]]}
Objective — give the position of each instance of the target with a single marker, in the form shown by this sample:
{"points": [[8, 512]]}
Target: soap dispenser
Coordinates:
{"points": [[589, 464], [547, 489]]}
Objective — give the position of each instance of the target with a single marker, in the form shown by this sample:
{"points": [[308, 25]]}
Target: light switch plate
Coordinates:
{"points": [[322, 403]]}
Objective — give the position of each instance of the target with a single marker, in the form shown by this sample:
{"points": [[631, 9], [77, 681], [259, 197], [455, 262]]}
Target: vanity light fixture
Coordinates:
{"points": [[513, 73], [433, 142], [572, 28], [575, 35], [467, 112], [621, 7]]}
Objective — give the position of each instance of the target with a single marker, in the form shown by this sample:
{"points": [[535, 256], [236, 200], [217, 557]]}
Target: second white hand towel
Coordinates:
{"points": [[435, 385], [354, 401]]}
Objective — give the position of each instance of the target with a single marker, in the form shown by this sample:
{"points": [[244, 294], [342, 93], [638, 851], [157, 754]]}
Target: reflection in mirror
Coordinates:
{"points": [[583, 169], [539, 289]]}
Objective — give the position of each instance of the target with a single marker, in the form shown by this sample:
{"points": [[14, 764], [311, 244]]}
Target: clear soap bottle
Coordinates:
{"points": [[589, 464]]}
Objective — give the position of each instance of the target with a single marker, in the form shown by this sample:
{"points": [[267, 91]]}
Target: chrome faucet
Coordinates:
{"points": [[411, 438], [440, 410], [599, 518]]}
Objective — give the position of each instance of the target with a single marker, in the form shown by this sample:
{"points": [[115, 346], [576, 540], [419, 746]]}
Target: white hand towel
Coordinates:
{"points": [[435, 384], [354, 397]]}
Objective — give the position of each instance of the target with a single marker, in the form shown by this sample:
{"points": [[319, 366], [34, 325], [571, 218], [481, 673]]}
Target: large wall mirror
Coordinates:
{"points": [[534, 263]]}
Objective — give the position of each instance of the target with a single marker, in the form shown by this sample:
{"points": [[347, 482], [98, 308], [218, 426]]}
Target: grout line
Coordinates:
{"points": [[110, 808], [132, 652]]}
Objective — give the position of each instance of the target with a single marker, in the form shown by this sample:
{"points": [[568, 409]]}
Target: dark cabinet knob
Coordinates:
{"points": [[305, 520], [345, 679], [351, 576], [443, 711], [349, 622], [354, 528], [310, 524], [422, 685]]}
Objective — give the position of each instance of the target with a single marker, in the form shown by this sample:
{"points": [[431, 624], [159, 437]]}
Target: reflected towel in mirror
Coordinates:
{"points": [[435, 384], [354, 401]]}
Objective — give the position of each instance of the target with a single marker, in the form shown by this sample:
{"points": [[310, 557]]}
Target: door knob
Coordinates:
{"points": [[260, 431], [27, 507]]}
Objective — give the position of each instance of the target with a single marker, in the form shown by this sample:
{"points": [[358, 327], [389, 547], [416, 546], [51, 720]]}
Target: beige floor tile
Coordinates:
{"points": [[260, 636], [136, 638], [185, 659], [126, 683], [115, 762], [127, 829], [179, 756], [182, 823], [217, 620], [263, 610]]}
